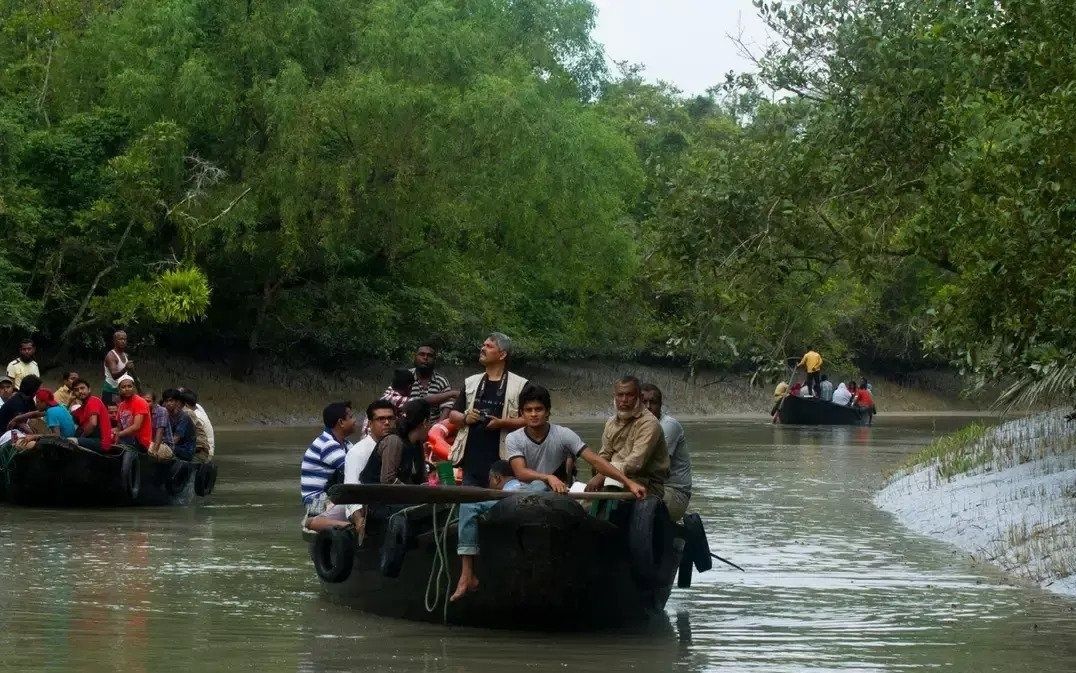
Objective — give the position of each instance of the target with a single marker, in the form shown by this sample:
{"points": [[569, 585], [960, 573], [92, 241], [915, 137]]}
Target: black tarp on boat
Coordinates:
{"points": [[814, 411], [57, 473], [545, 564]]}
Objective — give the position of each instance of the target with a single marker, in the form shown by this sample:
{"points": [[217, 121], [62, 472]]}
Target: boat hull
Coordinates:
{"points": [[568, 571], [813, 411], [59, 474]]}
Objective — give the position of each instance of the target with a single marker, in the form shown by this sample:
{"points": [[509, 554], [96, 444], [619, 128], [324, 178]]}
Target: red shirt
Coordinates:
{"points": [[93, 406], [126, 412], [864, 398]]}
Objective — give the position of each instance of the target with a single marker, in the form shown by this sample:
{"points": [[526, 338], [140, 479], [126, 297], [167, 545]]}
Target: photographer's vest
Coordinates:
{"points": [[513, 387]]}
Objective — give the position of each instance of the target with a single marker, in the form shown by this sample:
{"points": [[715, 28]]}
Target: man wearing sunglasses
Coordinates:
{"points": [[381, 415]]}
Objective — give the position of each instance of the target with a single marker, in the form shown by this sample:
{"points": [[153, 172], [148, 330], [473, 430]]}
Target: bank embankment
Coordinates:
{"points": [[287, 394], [1006, 495]]}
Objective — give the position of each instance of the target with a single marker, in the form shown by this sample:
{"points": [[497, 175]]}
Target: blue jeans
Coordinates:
{"points": [[467, 545]]}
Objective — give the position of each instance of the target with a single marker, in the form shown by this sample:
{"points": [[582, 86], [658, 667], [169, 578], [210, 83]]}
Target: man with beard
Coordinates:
{"points": [[431, 386], [24, 365], [633, 441]]}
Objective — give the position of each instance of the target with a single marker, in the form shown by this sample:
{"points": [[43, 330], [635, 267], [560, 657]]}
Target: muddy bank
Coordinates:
{"points": [[283, 395], [1005, 495]]}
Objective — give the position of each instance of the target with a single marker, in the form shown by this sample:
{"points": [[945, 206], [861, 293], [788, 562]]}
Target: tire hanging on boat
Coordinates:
{"points": [[697, 548], [205, 479], [334, 552], [131, 475], [394, 548], [650, 541]]}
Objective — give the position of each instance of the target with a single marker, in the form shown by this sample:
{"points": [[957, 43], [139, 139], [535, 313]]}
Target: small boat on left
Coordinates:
{"points": [[57, 473]]}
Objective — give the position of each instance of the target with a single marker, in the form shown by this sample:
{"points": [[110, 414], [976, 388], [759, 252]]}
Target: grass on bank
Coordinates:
{"points": [[1012, 443], [955, 453]]}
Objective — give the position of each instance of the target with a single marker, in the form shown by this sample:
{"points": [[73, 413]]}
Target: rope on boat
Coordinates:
{"points": [[7, 457], [439, 567]]}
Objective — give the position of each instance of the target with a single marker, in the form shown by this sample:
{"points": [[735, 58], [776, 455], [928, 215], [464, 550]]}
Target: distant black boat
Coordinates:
{"points": [[545, 564], [814, 411], [57, 473]]}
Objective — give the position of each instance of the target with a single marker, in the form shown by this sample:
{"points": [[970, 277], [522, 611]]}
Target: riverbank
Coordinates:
{"points": [[1006, 495], [278, 395]]}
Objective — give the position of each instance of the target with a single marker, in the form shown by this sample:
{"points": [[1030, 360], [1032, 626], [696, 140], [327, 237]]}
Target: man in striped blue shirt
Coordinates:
{"points": [[325, 457]]}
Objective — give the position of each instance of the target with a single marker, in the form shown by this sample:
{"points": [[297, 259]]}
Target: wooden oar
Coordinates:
{"points": [[404, 494]]}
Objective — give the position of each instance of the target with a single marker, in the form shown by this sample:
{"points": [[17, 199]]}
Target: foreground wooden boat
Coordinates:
{"points": [[56, 473], [813, 411], [545, 564]]}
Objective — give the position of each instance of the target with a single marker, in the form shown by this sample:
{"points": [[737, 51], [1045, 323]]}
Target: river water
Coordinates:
{"points": [[831, 583]]}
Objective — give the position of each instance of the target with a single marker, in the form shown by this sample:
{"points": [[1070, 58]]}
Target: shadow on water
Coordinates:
{"points": [[831, 583]]}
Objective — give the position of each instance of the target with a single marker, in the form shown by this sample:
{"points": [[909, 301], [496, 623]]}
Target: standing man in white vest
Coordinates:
{"points": [[486, 410]]}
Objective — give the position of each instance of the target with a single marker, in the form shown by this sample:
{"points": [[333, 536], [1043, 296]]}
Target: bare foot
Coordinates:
{"points": [[463, 588]]}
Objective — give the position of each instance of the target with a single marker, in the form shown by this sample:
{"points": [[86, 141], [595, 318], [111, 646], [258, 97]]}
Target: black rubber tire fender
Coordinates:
{"points": [[131, 474], [697, 547], [178, 475], [394, 546], [205, 479], [650, 541], [334, 553]]}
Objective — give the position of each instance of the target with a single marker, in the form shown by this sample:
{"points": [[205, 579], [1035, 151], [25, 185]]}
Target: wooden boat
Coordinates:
{"points": [[545, 564], [57, 473], [814, 411]]}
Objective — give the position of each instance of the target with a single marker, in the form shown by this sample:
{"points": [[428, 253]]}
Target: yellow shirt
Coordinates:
{"points": [[780, 391], [17, 370], [64, 396], [811, 361]]}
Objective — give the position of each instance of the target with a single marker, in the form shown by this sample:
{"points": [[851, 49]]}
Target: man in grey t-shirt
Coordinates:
{"points": [[538, 449], [678, 488]]}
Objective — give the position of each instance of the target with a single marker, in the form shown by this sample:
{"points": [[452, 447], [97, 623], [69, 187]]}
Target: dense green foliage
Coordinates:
{"points": [[349, 177]]}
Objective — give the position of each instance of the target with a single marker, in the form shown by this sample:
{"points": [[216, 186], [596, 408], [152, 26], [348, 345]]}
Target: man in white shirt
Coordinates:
{"points": [[24, 365], [381, 417]]}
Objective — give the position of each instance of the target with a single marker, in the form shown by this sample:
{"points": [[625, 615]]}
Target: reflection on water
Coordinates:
{"points": [[831, 583]]}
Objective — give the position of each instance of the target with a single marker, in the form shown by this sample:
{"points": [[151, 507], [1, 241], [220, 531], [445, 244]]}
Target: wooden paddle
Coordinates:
{"points": [[404, 494]]}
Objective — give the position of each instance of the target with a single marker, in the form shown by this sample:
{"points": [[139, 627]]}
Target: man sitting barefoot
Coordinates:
{"points": [[536, 452], [501, 478]]}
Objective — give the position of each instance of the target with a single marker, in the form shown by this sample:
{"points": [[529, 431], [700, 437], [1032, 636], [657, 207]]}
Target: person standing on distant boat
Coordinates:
{"points": [[812, 364], [117, 364], [24, 365], [678, 487], [431, 386], [633, 441]]}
